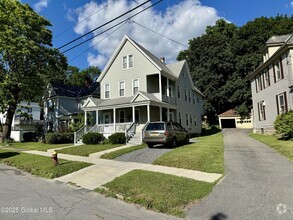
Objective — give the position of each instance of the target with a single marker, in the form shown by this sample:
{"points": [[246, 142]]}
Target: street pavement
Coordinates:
{"points": [[258, 183], [24, 196]]}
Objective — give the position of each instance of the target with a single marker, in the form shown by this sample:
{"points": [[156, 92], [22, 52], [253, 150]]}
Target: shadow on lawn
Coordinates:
{"points": [[5, 155], [210, 131]]}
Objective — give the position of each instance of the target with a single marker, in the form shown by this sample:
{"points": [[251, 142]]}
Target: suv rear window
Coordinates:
{"points": [[155, 127]]}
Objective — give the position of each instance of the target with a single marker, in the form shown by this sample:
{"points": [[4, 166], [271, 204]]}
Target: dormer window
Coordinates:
{"points": [[127, 62]]}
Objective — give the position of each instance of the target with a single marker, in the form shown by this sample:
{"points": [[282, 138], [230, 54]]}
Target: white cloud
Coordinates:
{"points": [[291, 4], [40, 5], [181, 22]]}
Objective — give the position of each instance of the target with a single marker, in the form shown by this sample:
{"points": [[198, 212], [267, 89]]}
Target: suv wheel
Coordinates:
{"points": [[150, 145], [173, 143], [187, 139]]}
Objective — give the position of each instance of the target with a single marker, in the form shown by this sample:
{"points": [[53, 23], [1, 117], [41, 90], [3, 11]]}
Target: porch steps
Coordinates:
{"points": [[135, 139]]}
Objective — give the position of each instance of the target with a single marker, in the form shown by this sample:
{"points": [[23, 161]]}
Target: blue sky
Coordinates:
{"points": [[178, 20]]}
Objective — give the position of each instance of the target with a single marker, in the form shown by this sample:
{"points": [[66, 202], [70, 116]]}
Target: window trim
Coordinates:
{"points": [[279, 61], [127, 61], [261, 111], [119, 89], [107, 91], [285, 103], [133, 85]]}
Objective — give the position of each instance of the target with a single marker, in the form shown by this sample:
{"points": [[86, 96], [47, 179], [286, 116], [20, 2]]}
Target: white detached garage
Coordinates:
{"points": [[230, 119]]}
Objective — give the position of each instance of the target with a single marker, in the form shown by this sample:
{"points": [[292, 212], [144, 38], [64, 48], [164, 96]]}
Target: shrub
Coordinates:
{"points": [[92, 138], [117, 138], [30, 136], [59, 138], [283, 124]]}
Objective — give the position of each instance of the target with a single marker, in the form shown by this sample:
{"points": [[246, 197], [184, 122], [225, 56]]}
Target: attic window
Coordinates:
{"points": [[127, 62]]}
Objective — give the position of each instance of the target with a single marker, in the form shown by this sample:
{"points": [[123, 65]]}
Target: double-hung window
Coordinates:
{"points": [[178, 92], [127, 62], [186, 119], [278, 74], [107, 91], [266, 78], [186, 95], [281, 103], [122, 88], [135, 86], [189, 98], [261, 111]]}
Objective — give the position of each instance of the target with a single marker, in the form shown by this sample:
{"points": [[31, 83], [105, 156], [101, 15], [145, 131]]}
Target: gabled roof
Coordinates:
{"points": [[75, 91], [152, 58], [279, 39], [229, 113]]}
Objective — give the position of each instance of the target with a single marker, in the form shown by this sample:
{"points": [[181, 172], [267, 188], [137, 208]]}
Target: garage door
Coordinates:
{"points": [[228, 123]]}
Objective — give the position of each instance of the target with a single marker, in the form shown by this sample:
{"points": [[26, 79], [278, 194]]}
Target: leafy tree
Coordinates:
{"points": [[27, 62], [221, 59], [79, 78]]}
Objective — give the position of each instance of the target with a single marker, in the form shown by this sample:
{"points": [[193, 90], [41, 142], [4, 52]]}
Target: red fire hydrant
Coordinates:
{"points": [[55, 158]]}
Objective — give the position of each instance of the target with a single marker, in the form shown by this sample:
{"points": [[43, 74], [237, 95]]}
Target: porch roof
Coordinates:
{"points": [[147, 98]]}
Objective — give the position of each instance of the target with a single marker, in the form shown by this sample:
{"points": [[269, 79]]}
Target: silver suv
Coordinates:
{"points": [[165, 133]]}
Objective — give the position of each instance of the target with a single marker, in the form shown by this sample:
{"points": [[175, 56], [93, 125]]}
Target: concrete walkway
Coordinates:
{"points": [[104, 171]]}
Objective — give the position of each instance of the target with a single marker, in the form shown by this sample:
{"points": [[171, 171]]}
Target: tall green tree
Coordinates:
{"points": [[27, 61], [221, 59], [78, 78]]}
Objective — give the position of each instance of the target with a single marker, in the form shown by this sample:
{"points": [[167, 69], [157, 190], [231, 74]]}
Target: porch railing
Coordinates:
{"points": [[130, 131], [78, 134], [143, 130]]}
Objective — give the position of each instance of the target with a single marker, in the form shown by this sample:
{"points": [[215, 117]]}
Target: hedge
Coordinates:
{"points": [[92, 138], [117, 138], [30, 136], [59, 138]]}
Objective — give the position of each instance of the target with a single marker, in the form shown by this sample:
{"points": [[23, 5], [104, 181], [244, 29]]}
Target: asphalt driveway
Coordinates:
{"points": [[258, 183]]}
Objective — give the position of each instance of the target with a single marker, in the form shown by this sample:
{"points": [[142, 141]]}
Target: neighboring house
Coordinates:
{"points": [[272, 83], [62, 103], [137, 87], [230, 119], [27, 114]]}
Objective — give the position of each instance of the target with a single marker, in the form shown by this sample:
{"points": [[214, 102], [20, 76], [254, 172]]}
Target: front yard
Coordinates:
{"points": [[36, 145], [284, 147], [157, 191], [39, 165]]}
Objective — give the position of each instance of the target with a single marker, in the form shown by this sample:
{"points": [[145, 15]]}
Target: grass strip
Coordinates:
{"points": [[206, 155], [39, 165], [117, 153], [36, 145], [284, 147], [157, 191], [86, 150]]}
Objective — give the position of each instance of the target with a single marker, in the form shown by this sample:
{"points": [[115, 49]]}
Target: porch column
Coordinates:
{"points": [[168, 114], [114, 119], [133, 114], [160, 86], [148, 111], [97, 117], [168, 91], [85, 117], [161, 114]]}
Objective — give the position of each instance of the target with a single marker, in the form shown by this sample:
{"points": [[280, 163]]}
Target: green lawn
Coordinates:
{"points": [[206, 155], [284, 147], [36, 145], [157, 191], [117, 153], [39, 165], [86, 150]]}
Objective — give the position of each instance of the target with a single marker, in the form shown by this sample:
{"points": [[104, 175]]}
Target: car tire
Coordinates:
{"points": [[150, 145], [174, 143], [187, 139]]}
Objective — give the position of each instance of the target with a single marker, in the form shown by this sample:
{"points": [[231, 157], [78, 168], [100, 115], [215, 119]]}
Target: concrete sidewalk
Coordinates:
{"points": [[104, 171]]}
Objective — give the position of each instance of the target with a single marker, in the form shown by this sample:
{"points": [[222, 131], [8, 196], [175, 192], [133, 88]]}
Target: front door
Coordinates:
{"points": [[107, 120], [171, 116], [137, 116]]}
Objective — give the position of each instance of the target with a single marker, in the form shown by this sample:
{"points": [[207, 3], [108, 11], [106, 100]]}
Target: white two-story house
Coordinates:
{"points": [[272, 83], [137, 87], [26, 116]]}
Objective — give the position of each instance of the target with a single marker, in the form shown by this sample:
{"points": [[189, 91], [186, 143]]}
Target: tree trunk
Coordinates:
{"points": [[8, 122]]}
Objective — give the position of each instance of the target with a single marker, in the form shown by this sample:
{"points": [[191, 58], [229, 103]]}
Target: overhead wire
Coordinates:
{"points": [[114, 19], [127, 19], [158, 33], [69, 28], [98, 41]]}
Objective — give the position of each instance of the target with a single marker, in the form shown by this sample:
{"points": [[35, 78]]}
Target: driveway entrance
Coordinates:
{"points": [[258, 183]]}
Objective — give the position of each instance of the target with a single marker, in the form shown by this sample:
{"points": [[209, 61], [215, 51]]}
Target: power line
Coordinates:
{"points": [[112, 26], [103, 24], [98, 42], [159, 34], [69, 28]]}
